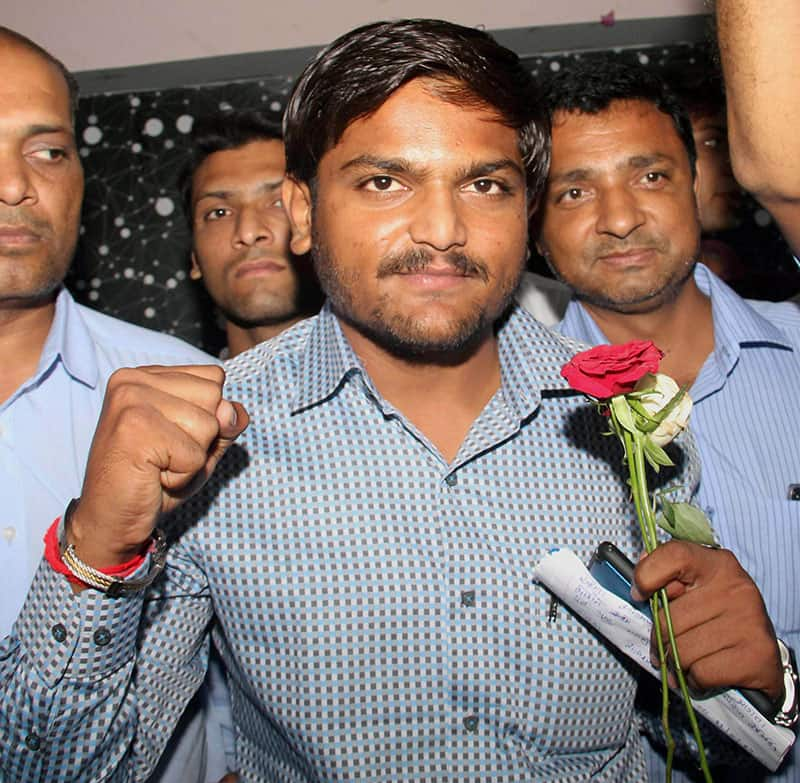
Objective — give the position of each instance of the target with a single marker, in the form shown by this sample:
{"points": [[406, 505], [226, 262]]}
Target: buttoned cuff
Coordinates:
{"points": [[82, 637]]}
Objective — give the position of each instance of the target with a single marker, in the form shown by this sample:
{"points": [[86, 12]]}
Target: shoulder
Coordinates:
{"points": [[541, 337], [126, 344], [530, 349], [272, 362], [784, 315]]}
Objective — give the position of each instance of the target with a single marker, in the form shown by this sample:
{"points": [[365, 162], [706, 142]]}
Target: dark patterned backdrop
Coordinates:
{"points": [[132, 259]]}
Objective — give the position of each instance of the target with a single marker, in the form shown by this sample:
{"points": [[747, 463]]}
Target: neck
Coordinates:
{"points": [[23, 331], [682, 328], [242, 339], [441, 399]]}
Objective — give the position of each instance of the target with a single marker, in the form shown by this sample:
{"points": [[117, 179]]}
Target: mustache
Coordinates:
{"points": [[16, 219], [608, 246], [418, 260]]}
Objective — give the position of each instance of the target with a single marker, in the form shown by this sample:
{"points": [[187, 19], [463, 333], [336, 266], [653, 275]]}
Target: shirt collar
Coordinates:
{"points": [[531, 358], [736, 323], [69, 340], [736, 326], [579, 324], [325, 363]]}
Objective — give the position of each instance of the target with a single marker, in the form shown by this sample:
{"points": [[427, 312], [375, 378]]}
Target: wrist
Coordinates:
{"points": [[83, 537], [115, 581], [787, 708]]}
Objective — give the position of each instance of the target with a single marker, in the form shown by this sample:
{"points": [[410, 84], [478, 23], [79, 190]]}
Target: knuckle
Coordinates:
{"points": [[202, 427], [728, 559], [218, 374], [121, 378], [133, 416]]}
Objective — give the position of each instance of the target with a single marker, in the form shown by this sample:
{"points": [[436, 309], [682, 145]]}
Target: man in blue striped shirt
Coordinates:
{"points": [[619, 225]]}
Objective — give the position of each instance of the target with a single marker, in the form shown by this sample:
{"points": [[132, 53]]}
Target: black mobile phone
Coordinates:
{"points": [[614, 571]]}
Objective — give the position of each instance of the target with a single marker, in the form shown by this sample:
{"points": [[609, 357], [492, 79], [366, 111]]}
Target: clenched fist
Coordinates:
{"points": [[161, 433]]}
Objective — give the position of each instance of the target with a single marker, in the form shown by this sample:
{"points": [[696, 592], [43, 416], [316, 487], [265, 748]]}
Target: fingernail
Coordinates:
{"points": [[233, 416]]}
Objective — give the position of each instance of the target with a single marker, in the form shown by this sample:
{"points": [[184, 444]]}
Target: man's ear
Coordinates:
{"points": [[296, 198], [195, 272]]}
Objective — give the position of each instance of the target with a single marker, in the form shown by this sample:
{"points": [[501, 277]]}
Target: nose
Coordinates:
{"points": [[437, 220], [254, 226], [16, 183], [619, 212]]}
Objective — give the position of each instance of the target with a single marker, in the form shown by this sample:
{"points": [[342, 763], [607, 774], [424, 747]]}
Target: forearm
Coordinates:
{"points": [[102, 702], [760, 50], [65, 712]]}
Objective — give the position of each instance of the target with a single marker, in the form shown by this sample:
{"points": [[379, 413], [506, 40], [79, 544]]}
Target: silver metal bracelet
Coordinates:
{"points": [[788, 714], [113, 585]]}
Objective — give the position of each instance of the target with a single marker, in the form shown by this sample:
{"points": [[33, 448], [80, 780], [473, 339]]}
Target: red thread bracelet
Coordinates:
{"points": [[52, 553]]}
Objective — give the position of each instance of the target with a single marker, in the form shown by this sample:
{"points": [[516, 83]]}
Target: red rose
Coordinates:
{"points": [[609, 370]]}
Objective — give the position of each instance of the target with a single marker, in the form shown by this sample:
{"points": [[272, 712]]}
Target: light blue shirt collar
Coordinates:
{"points": [[70, 341], [67, 341], [736, 325], [329, 360]]}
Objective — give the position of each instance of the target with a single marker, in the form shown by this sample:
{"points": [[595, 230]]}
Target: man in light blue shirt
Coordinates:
{"points": [[619, 225], [56, 356]]}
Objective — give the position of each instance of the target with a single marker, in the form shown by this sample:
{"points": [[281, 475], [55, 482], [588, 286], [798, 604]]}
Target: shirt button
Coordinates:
{"points": [[102, 637], [468, 598], [33, 741], [59, 632], [451, 479], [9, 533], [471, 723]]}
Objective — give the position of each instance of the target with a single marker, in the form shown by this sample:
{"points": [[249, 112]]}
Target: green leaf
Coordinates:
{"points": [[646, 422], [655, 454], [686, 523], [621, 413]]}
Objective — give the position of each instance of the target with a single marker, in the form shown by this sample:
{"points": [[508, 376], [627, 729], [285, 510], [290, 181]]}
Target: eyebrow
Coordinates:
{"points": [[223, 193], [405, 166], [633, 162], [41, 129]]}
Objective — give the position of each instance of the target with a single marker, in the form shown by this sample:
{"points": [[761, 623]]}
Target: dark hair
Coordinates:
{"points": [[72, 83], [593, 83], [698, 86], [352, 78], [227, 130]]}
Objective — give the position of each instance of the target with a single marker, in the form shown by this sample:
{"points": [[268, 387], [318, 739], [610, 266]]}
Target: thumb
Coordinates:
{"points": [[233, 420]]}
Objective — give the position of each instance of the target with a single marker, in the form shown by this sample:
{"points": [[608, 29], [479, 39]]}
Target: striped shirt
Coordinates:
{"points": [[376, 605], [746, 422]]}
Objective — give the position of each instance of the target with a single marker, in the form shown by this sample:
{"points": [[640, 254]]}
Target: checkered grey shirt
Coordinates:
{"points": [[375, 605]]}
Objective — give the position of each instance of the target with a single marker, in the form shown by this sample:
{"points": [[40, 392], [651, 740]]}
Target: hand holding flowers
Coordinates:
{"points": [[646, 411]]}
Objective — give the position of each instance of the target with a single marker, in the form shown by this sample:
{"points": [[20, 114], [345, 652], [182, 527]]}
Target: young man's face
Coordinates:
{"points": [[718, 194], [41, 181], [240, 234], [619, 222], [419, 227]]}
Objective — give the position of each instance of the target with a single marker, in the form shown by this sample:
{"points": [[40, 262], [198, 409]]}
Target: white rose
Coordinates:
{"points": [[660, 390]]}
